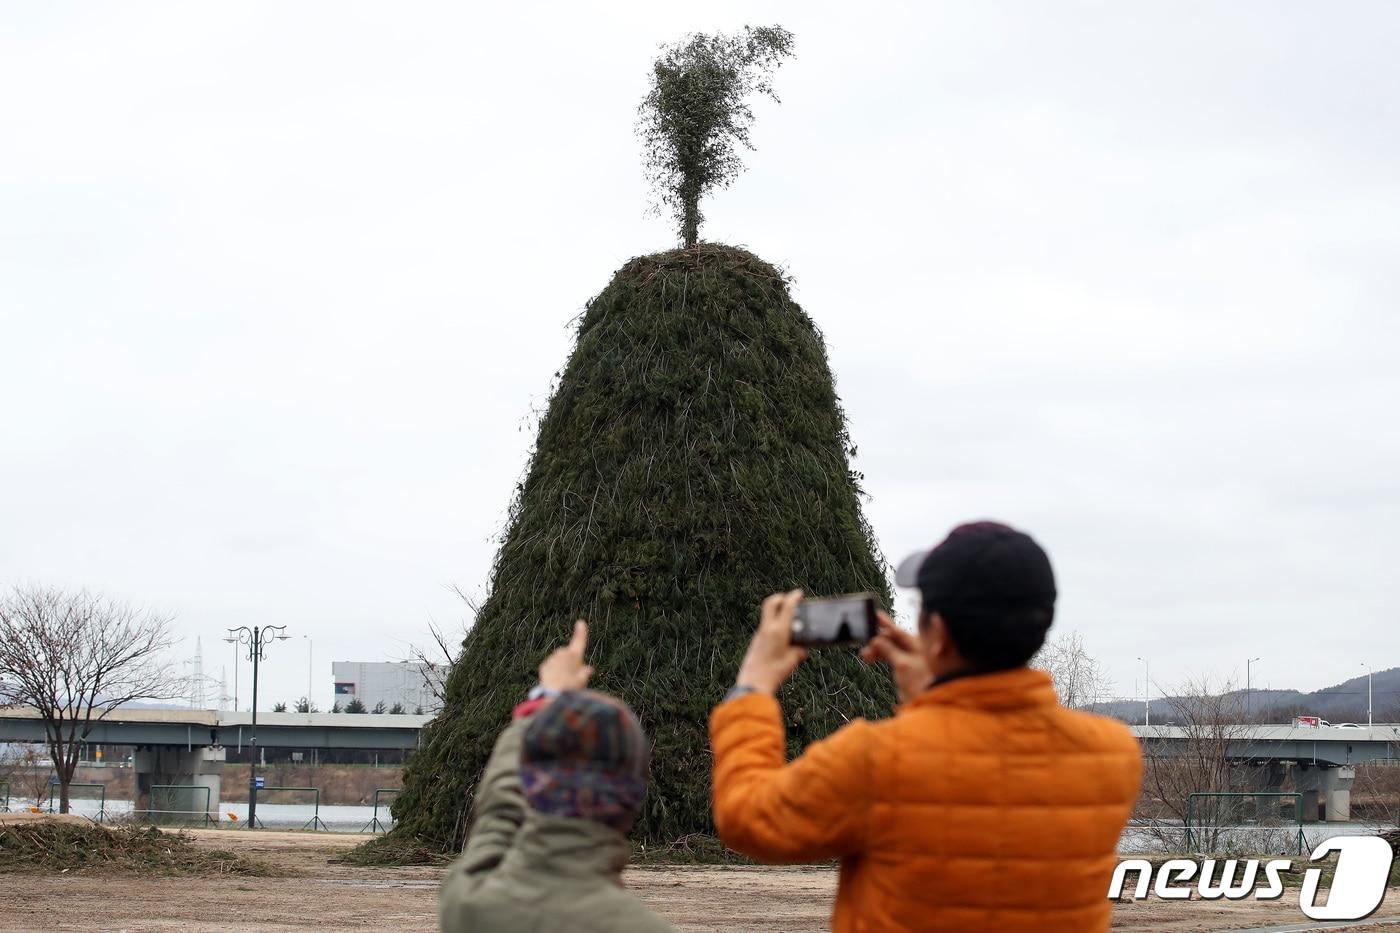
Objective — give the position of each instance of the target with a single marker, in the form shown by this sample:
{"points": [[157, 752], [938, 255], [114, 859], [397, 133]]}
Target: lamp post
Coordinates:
{"points": [[1247, 688], [1369, 723], [310, 663], [257, 639], [1146, 692]]}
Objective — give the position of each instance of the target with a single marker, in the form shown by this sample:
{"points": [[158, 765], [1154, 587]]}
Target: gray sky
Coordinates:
{"points": [[280, 285]]}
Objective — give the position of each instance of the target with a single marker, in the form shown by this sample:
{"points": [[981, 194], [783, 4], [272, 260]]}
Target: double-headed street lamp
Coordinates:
{"points": [[257, 639]]}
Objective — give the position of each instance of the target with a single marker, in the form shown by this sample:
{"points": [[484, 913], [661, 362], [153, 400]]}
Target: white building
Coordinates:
{"points": [[388, 682]]}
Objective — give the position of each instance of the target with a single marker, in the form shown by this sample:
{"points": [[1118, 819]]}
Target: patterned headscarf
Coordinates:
{"points": [[585, 756]]}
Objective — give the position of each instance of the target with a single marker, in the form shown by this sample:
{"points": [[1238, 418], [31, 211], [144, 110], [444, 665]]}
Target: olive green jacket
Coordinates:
{"points": [[526, 872]]}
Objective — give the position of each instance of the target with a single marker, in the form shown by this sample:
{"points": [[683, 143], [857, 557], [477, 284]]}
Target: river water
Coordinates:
{"points": [[1137, 838], [336, 819]]}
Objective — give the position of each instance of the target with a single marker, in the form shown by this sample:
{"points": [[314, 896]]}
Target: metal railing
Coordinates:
{"points": [[101, 797], [375, 825], [168, 793], [315, 822], [1206, 835]]}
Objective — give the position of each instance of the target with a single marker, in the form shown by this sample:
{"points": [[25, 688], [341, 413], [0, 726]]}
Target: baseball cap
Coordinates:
{"points": [[992, 585]]}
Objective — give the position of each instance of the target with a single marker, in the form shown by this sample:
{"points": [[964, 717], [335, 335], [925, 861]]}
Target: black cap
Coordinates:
{"points": [[992, 585]]}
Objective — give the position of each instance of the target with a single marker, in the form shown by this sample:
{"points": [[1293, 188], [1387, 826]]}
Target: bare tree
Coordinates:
{"points": [[1209, 719], [75, 657], [1080, 681]]}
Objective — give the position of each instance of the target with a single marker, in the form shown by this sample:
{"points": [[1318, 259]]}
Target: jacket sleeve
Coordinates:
{"points": [[816, 807], [499, 810]]}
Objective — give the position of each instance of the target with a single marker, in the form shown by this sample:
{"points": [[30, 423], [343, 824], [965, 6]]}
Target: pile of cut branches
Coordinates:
{"points": [[694, 458], [51, 847]]}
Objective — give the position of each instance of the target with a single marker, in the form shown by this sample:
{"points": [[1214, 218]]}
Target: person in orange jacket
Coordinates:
{"points": [[982, 805]]}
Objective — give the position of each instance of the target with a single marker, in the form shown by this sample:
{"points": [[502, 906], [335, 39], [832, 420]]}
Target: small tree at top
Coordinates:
{"points": [[355, 706], [696, 115]]}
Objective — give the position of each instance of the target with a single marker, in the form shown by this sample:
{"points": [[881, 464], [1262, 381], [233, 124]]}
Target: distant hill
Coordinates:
{"points": [[1343, 702]]}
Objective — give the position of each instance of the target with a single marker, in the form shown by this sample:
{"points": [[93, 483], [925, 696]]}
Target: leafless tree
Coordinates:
{"points": [[25, 769], [1209, 720], [76, 657], [1080, 681]]}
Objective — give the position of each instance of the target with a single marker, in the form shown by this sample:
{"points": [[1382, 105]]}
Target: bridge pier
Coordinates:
{"points": [[1267, 778], [190, 767], [1329, 788]]}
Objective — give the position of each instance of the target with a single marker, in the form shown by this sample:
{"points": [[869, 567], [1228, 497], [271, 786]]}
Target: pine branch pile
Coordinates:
{"points": [[51, 846], [693, 459]]}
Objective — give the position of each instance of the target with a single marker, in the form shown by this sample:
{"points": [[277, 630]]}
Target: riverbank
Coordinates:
{"points": [[308, 891]]}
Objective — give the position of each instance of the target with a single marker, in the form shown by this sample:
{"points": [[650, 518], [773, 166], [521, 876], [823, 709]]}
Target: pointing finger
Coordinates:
{"points": [[579, 640]]}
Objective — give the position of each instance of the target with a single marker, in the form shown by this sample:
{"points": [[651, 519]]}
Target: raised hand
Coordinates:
{"points": [[564, 668], [771, 657]]}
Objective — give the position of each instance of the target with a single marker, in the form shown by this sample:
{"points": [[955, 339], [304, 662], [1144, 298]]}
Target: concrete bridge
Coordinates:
{"points": [[1321, 760], [187, 748]]}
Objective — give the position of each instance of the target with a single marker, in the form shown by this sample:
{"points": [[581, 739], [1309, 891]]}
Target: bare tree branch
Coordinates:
{"points": [[435, 661]]}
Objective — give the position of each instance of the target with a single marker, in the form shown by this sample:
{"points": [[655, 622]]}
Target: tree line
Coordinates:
{"points": [[355, 705]]}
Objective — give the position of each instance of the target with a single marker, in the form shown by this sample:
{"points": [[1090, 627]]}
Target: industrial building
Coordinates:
{"points": [[408, 684]]}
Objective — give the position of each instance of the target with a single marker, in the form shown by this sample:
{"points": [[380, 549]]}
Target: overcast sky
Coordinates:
{"points": [[281, 284]]}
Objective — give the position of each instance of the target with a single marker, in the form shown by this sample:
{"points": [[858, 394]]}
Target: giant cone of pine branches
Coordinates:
{"points": [[694, 459]]}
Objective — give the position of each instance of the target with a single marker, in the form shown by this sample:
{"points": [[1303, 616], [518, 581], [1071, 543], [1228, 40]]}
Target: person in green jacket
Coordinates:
{"points": [[549, 837]]}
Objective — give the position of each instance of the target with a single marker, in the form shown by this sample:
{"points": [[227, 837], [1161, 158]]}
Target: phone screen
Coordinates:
{"points": [[835, 621]]}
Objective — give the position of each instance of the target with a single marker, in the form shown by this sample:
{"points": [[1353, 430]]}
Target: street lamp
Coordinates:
{"points": [[1247, 687], [1146, 692], [310, 649], [257, 639], [1369, 723]]}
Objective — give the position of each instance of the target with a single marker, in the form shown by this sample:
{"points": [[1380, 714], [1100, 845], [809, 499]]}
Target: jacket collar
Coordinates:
{"points": [[565, 848], [1017, 688]]}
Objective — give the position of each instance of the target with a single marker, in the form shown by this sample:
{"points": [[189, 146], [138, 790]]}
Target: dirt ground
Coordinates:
{"points": [[311, 894]]}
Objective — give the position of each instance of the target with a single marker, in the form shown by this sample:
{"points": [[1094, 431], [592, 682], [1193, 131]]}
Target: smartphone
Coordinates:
{"points": [[836, 621]]}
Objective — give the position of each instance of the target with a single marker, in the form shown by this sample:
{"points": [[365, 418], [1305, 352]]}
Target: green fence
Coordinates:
{"points": [[315, 822], [101, 797], [376, 825], [1244, 822], [178, 804]]}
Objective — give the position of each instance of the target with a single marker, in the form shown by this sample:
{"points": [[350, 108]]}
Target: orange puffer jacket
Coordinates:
{"points": [[982, 805]]}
